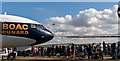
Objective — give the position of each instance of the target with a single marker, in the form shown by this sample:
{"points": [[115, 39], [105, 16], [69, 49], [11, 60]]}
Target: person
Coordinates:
{"points": [[118, 50], [72, 48], [58, 51], [63, 50], [101, 51], [35, 54], [108, 45], [68, 50], [85, 51], [45, 51], [89, 51], [41, 51], [33, 48], [52, 50], [104, 47], [48, 51], [113, 50]]}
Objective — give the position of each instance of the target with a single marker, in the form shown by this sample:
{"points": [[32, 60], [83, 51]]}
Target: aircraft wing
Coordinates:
{"points": [[111, 36]]}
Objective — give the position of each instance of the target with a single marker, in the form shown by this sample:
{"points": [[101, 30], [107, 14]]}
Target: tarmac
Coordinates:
{"points": [[63, 58]]}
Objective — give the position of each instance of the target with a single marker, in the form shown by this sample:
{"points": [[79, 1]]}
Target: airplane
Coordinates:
{"points": [[16, 31], [118, 11], [95, 36]]}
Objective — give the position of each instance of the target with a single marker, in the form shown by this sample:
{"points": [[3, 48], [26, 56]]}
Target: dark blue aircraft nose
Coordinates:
{"points": [[43, 37], [47, 36], [50, 37]]}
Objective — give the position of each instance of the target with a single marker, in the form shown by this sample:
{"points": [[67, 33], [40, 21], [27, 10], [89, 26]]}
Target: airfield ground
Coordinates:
{"points": [[38, 58]]}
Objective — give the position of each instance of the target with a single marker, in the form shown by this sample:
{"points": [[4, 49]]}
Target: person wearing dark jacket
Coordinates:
{"points": [[89, 51], [41, 51], [113, 50], [63, 50], [104, 47], [68, 50], [72, 48]]}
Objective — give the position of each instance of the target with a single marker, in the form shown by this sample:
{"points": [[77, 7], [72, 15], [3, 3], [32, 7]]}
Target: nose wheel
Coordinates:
{"points": [[12, 55]]}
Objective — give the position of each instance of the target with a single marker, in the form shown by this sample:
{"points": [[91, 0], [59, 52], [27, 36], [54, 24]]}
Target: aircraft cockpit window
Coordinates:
{"points": [[33, 26], [40, 26]]}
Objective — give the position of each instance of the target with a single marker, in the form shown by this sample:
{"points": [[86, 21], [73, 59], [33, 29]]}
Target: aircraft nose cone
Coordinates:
{"points": [[50, 36], [46, 36]]}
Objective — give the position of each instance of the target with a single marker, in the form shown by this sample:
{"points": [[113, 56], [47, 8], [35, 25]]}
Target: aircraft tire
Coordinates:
{"points": [[11, 56]]}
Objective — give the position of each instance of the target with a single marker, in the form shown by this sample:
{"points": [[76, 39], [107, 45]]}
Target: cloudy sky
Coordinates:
{"points": [[73, 18], [89, 21]]}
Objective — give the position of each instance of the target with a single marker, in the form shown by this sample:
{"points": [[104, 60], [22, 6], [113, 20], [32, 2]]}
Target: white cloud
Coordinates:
{"points": [[87, 22]]}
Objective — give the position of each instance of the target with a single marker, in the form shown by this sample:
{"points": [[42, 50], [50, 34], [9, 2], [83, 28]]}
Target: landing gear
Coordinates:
{"points": [[12, 55]]}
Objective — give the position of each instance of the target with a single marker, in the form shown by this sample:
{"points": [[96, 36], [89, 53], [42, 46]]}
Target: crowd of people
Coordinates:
{"points": [[92, 51]]}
